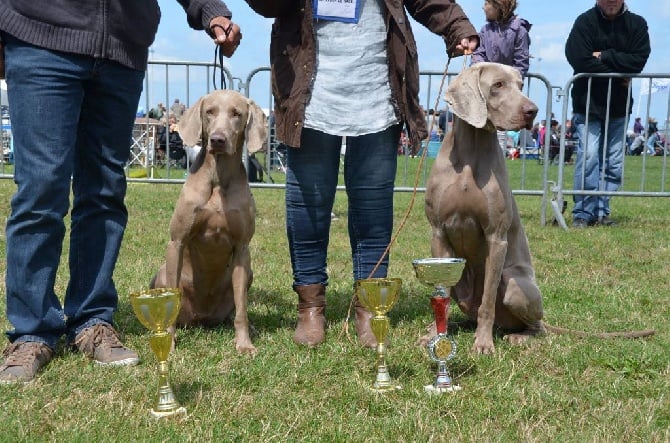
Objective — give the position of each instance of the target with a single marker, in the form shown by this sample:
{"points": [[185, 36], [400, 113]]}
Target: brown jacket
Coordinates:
{"points": [[293, 57]]}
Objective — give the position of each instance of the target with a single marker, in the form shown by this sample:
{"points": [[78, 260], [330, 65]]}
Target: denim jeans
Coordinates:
{"points": [[370, 164], [72, 119], [651, 144], [599, 164]]}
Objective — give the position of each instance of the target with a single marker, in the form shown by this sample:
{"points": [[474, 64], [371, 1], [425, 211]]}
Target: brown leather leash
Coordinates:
{"points": [[403, 221]]}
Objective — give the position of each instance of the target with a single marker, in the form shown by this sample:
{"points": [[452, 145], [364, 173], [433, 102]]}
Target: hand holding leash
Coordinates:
{"points": [[467, 45], [226, 34]]}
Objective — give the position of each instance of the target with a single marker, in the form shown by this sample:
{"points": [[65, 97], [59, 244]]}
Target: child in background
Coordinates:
{"points": [[503, 39]]}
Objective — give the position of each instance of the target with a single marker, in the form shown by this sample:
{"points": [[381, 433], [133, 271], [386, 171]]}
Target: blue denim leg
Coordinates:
{"points": [[72, 117], [587, 166], [612, 171], [370, 167], [651, 144], [590, 167], [311, 181]]}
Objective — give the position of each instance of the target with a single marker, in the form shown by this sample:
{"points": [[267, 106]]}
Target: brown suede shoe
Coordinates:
{"points": [[101, 343], [23, 360], [310, 330], [363, 329]]}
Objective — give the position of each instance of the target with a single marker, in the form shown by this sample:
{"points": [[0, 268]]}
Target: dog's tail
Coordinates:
{"points": [[618, 334]]}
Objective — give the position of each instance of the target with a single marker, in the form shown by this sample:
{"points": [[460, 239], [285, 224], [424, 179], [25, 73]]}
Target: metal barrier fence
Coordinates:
{"points": [[195, 79], [536, 86], [644, 174]]}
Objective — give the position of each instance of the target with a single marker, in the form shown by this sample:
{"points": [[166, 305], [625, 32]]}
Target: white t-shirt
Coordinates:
{"points": [[351, 94]]}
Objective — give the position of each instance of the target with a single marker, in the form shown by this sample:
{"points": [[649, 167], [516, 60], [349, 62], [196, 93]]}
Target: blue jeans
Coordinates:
{"points": [[651, 144], [370, 164], [72, 119], [591, 166]]}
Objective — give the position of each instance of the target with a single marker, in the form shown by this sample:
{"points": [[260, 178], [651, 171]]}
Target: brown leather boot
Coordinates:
{"points": [[310, 330], [363, 329]]}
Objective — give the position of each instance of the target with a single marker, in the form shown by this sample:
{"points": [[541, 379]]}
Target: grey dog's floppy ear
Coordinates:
{"points": [[190, 125], [465, 97], [257, 128]]}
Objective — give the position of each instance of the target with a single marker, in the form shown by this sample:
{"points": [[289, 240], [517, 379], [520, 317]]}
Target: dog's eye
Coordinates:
{"points": [[498, 85], [236, 113]]}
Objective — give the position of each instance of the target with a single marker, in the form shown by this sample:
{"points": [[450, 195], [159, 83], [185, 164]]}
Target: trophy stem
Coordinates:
{"points": [[440, 291], [383, 382], [166, 404], [443, 381], [440, 305]]}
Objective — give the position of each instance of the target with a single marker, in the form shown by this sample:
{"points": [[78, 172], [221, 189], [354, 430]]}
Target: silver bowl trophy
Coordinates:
{"points": [[441, 274]]}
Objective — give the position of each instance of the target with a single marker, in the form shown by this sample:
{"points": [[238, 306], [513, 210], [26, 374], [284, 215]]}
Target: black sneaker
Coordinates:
{"points": [[101, 343], [23, 360], [580, 223], [606, 221]]}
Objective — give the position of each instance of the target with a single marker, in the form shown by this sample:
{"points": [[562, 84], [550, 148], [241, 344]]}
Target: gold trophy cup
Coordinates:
{"points": [[441, 274], [157, 310], [378, 295]]}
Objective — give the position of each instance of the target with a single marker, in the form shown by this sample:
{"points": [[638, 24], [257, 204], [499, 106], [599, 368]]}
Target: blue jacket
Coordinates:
{"points": [[507, 43], [119, 30]]}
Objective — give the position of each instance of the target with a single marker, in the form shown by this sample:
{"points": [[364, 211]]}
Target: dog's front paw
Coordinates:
{"points": [[483, 346], [246, 348], [243, 345]]}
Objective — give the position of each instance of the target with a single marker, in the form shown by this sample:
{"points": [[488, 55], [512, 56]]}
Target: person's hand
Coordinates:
{"points": [[227, 34], [468, 45]]}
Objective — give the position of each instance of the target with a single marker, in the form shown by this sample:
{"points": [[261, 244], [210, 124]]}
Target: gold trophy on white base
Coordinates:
{"points": [[378, 295], [441, 274], [157, 310]]}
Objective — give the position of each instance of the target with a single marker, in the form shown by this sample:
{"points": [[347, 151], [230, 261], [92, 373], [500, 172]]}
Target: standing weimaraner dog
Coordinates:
{"points": [[214, 218], [470, 206]]}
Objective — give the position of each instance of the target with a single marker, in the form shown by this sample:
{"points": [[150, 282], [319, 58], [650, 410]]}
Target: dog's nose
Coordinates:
{"points": [[217, 139], [530, 111]]}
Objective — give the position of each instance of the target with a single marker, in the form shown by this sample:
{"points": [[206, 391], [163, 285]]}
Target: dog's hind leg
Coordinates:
{"points": [[521, 310]]}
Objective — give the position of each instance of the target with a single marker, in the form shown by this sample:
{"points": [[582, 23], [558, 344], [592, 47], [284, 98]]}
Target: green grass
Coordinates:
{"points": [[556, 388]]}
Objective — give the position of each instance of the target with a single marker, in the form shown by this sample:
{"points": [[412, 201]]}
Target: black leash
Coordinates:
{"points": [[219, 54]]}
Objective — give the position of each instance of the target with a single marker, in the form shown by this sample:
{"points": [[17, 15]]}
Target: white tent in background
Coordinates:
{"points": [[651, 86], [657, 85]]}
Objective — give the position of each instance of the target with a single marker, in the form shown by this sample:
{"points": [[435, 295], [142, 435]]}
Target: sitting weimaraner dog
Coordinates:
{"points": [[473, 214], [470, 206], [214, 218]]}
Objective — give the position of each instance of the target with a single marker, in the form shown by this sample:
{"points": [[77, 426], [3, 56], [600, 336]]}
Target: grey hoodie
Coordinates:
{"points": [[119, 30]]}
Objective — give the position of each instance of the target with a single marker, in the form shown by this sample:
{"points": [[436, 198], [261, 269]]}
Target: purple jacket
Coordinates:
{"points": [[505, 43]]}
